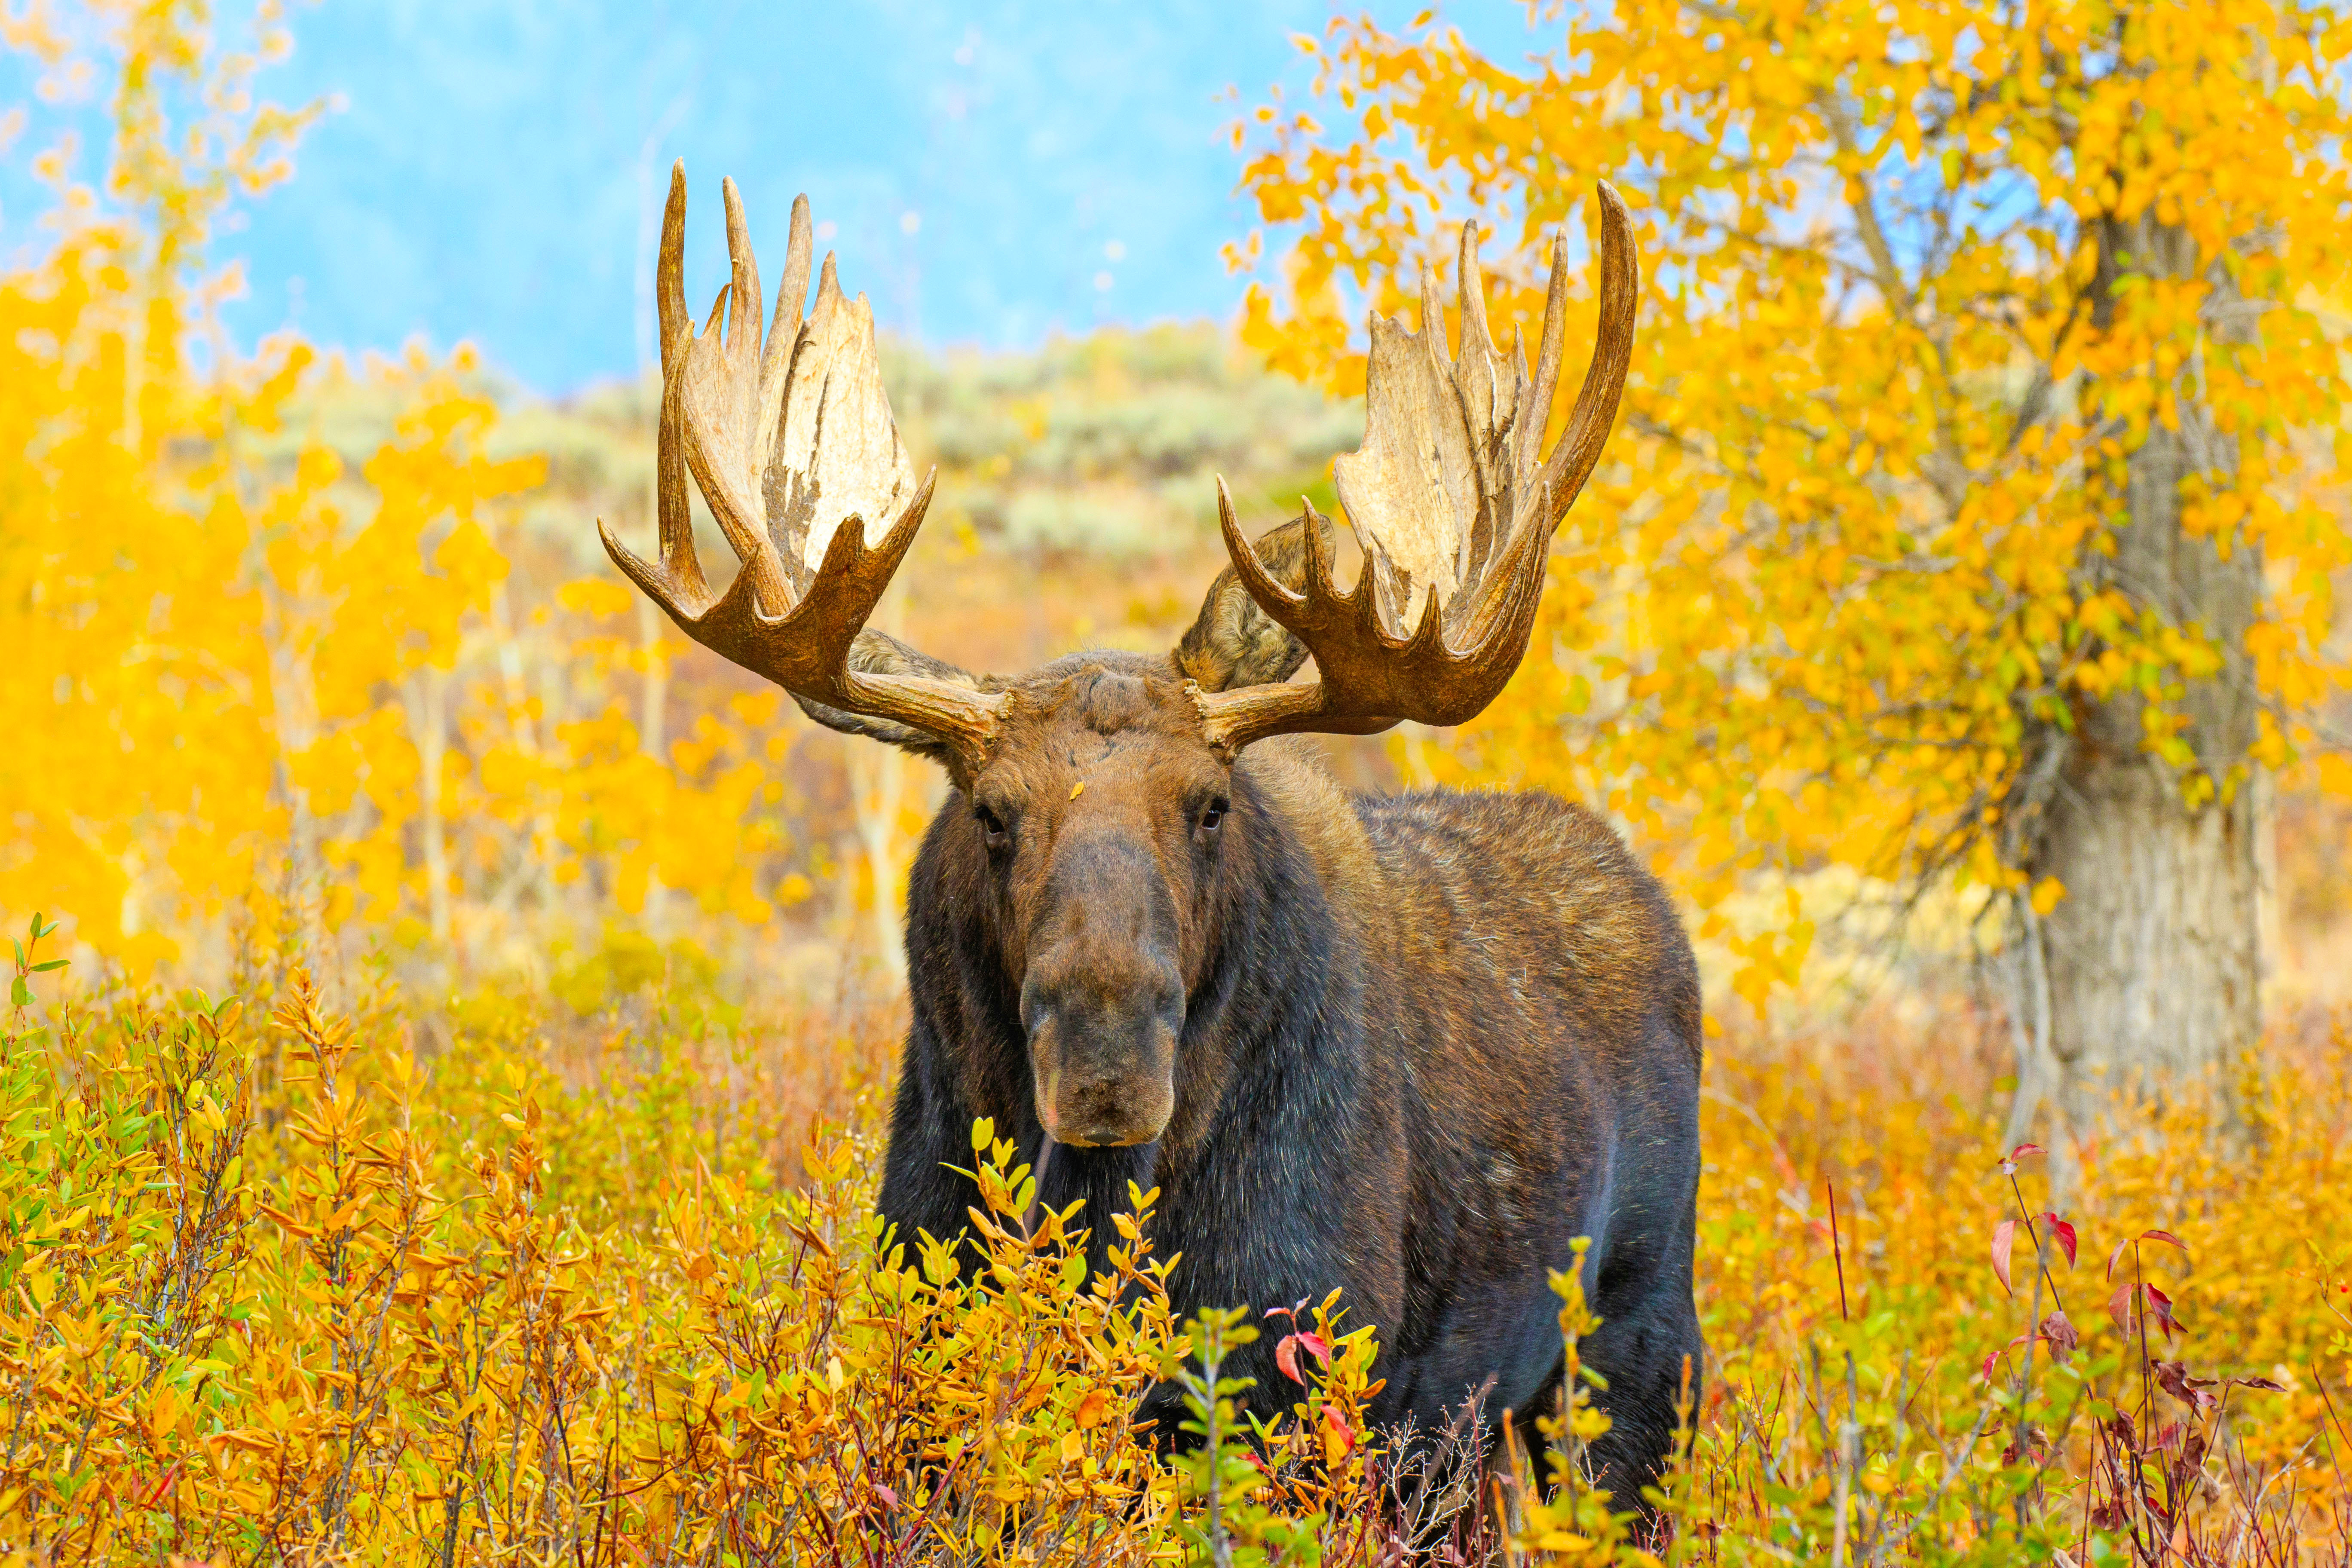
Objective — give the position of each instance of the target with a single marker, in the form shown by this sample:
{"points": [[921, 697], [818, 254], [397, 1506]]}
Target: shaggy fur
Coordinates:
{"points": [[1411, 1046]]}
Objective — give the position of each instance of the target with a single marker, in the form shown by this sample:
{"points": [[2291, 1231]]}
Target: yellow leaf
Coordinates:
{"points": [[2335, 774], [2046, 894]]}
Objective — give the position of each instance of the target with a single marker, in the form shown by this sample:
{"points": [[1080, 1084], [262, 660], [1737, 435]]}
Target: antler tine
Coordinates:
{"points": [[678, 583], [789, 437], [1545, 502], [1493, 414], [1261, 583], [775, 367], [669, 275], [744, 324], [1470, 287], [1548, 352], [1454, 513], [719, 370], [1589, 424]]}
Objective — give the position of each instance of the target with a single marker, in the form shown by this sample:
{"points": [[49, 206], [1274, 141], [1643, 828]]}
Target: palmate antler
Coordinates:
{"points": [[790, 440], [1454, 513]]}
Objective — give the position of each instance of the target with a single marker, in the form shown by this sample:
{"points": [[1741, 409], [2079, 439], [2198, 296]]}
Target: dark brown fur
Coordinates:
{"points": [[1412, 1046]]}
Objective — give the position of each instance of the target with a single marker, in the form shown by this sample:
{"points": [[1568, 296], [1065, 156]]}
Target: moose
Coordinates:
{"points": [[1411, 1046]]}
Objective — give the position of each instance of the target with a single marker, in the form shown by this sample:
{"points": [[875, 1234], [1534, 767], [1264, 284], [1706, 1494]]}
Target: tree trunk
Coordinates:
{"points": [[2153, 955]]}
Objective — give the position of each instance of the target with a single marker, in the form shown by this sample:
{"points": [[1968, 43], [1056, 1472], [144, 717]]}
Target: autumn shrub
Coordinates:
{"points": [[280, 1289], [1956, 1365], [286, 1282]]}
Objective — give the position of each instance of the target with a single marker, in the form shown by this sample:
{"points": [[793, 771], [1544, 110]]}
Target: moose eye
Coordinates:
{"points": [[1211, 814], [991, 826]]}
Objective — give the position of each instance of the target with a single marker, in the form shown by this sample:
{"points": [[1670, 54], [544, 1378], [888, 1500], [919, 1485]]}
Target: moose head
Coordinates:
{"points": [[1099, 818]]}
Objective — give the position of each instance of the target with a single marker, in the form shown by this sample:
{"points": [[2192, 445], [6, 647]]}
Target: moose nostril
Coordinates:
{"points": [[1111, 1111], [1103, 1058]]}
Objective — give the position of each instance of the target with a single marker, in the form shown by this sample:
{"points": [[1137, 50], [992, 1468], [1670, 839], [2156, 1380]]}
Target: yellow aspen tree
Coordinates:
{"points": [[134, 767], [1965, 517]]}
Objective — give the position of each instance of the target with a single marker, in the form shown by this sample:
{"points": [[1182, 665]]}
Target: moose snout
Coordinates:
{"points": [[1104, 1057]]}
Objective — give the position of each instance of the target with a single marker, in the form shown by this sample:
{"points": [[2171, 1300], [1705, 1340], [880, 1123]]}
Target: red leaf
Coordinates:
{"points": [[2059, 1329], [2119, 1307], [2062, 1234], [2004, 1350], [2005, 1235], [2271, 1384], [2023, 1150], [2194, 1392], [2165, 1236], [2160, 1310], [1286, 1354], [1339, 1423], [164, 1481], [890, 1498]]}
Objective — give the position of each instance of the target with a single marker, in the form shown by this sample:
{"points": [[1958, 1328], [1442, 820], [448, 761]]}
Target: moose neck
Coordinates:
{"points": [[1283, 975]]}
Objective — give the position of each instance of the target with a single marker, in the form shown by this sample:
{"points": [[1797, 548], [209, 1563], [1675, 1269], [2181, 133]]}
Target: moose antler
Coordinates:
{"points": [[792, 443], [1454, 513]]}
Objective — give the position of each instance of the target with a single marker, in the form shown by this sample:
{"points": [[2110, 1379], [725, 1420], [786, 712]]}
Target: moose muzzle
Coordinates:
{"points": [[1103, 1000]]}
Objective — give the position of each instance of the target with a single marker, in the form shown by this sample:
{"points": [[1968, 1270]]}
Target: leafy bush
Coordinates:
{"points": [[279, 1284]]}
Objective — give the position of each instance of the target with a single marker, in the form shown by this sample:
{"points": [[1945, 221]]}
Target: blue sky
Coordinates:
{"points": [[993, 170]]}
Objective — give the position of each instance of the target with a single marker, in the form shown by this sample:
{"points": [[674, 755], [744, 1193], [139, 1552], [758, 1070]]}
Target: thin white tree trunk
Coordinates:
{"points": [[428, 725], [877, 785], [652, 735]]}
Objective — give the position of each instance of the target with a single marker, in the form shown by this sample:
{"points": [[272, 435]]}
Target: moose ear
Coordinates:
{"points": [[880, 653], [1234, 643]]}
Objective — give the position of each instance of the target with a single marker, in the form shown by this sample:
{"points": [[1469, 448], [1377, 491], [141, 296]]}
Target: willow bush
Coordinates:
{"points": [[286, 1282]]}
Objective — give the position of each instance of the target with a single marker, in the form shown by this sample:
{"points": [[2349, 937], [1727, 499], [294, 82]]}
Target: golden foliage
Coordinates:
{"points": [[276, 1286], [273, 683], [1828, 587], [284, 1291]]}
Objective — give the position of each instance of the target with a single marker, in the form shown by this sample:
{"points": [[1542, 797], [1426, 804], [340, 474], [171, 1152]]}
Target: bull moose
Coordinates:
{"points": [[1412, 1046]]}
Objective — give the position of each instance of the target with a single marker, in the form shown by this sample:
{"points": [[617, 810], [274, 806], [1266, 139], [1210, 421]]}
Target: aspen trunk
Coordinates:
{"points": [[877, 791], [429, 726], [2154, 956], [653, 712]]}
